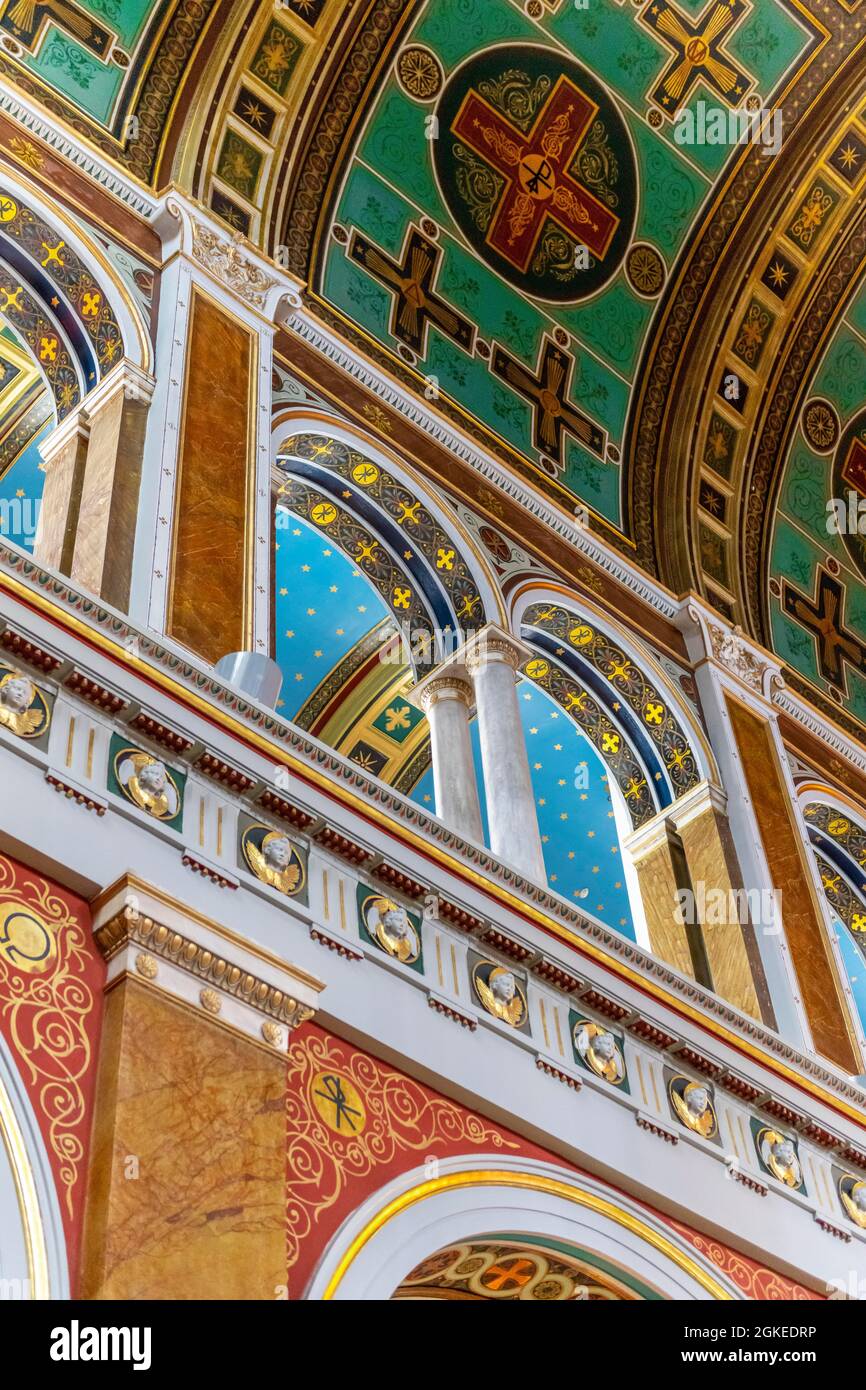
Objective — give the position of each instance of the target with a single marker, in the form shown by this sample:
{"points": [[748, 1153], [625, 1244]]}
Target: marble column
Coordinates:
{"points": [[492, 658], [446, 700]]}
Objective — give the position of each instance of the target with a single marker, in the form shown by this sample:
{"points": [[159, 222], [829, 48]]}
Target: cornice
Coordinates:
{"points": [[259, 734], [108, 175]]}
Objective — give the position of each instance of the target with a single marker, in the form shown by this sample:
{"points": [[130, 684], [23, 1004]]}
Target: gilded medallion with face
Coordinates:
{"points": [[600, 1050], [23, 710], [693, 1106], [779, 1156], [272, 857], [390, 927], [147, 782], [499, 992], [853, 1194]]}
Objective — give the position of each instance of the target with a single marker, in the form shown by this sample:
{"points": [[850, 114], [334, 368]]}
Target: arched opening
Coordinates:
{"points": [[71, 330], [837, 835], [372, 585], [506, 1267], [592, 1233]]}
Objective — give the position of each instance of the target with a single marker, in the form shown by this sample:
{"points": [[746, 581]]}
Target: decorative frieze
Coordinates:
{"points": [[139, 929]]}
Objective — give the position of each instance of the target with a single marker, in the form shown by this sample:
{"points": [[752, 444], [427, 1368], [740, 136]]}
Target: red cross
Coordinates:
{"points": [[854, 467], [535, 167]]}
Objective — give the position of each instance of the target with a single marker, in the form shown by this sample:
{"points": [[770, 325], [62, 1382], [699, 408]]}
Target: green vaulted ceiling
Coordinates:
{"points": [[502, 142], [817, 560]]}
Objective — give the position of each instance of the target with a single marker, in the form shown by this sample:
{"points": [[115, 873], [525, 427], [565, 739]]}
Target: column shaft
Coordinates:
{"points": [[511, 813], [64, 456], [102, 560], [446, 702]]}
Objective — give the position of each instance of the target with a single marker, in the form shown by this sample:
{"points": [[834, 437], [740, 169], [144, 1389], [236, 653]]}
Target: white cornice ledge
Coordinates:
{"points": [[108, 175]]}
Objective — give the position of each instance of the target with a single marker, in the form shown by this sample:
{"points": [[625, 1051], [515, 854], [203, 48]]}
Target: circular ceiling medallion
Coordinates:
{"points": [[419, 73], [645, 270], [848, 490], [820, 425], [535, 163]]}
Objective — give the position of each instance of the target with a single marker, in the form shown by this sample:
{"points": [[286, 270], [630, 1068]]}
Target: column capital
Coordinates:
{"points": [[75, 426], [493, 643], [187, 227], [447, 685], [145, 933], [125, 377], [727, 648]]}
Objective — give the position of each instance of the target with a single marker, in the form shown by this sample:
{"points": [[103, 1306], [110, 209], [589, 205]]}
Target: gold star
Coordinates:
{"points": [[849, 156]]}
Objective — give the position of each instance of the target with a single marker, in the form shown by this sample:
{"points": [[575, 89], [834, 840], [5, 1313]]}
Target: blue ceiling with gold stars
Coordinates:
{"points": [[324, 610], [324, 606]]}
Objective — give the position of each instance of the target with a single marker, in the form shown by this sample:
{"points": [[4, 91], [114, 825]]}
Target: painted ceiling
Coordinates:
{"points": [[508, 211], [535, 352], [108, 70]]}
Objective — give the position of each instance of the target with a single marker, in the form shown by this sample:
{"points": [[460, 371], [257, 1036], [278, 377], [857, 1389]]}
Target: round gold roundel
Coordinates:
{"points": [[338, 1103], [26, 942]]}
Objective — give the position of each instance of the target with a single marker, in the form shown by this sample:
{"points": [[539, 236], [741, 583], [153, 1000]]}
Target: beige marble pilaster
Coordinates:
{"points": [[105, 536], [64, 455], [187, 1178]]}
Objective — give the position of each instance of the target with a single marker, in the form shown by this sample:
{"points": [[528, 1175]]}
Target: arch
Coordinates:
{"points": [[288, 422], [836, 826], [32, 1246], [625, 690], [415, 1215], [67, 300]]}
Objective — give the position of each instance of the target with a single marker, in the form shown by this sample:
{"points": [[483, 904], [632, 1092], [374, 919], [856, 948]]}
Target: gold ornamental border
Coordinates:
{"points": [[553, 1187]]}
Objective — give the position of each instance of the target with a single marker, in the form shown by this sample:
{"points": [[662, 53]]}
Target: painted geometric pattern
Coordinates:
{"points": [[559, 139], [602, 733], [407, 511], [817, 579], [839, 846], [629, 683], [83, 49], [502, 1269], [54, 265]]}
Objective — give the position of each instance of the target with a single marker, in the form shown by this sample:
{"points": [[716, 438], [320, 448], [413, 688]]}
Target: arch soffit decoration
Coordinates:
{"points": [[414, 1216], [837, 834], [657, 731], [62, 296], [449, 580]]}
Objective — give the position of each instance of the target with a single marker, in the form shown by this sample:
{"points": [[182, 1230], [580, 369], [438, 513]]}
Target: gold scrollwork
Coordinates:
{"points": [[398, 1116], [44, 1012]]}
